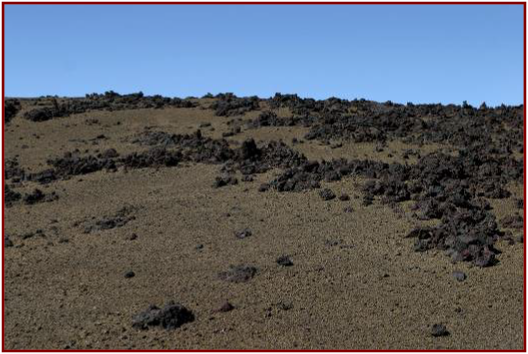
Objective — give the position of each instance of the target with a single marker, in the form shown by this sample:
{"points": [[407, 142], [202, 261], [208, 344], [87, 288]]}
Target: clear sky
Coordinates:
{"points": [[417, 53]]}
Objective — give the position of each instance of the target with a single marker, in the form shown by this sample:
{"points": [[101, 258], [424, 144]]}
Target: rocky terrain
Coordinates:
{"points": [[147, 222]]}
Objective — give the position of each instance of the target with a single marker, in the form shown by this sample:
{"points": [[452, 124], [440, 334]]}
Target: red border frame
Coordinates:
{"points": [[523, 3]]}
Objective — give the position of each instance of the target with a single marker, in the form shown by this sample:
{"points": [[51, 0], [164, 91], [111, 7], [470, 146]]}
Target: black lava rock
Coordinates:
{"points": [[284, 261], [223, 181], [439, 330], [171, 316], [327, 194], [344, 197], [238, 274], [243, 233], [8, 242]]}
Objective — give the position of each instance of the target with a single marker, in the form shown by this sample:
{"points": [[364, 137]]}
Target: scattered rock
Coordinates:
{"points": [[439, 330], [264, 187], [7, 241], [155, 157], [223, 181], [10, 196], [171, 316], [344, 197], [243, 233], [11, 108], [121, 218], [110, 100], [130, 274], [37, 196], [327, 194], [284, 261], [13, 171], [228, 105], [238, 274]]}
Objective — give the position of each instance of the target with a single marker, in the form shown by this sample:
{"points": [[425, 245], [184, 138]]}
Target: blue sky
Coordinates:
{"points": [[422, 54]]}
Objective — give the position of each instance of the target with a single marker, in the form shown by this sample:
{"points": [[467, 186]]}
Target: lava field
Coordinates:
{"points": [[225, 222]]}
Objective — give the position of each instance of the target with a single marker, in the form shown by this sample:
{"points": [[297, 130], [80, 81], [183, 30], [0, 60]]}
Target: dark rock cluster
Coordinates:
{"points": [[38, 196], [119, 219], [368, 121], [110, 101], [11, 108], [13, 171], [10, 196], [170, 316], [230, 105]]}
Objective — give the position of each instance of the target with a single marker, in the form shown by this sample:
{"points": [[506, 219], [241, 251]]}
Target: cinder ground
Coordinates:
{"points": [[356, 282]]}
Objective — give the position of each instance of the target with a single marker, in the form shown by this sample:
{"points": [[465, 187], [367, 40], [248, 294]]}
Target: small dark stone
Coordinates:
{"points": [[34, 197], [171, 316], [284, 261], [121, 218], [243, 233], [133, 237], [223, 181], [238, 274], [8, 242], [344, 197], [439, 330], [27, 235], [199, 247], [264, 187], [486, 258], [327, 194], [284, 306], [130, 274]]}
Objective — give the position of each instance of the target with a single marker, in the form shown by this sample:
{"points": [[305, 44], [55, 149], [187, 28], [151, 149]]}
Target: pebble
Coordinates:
{"points": [[439, 330]]}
